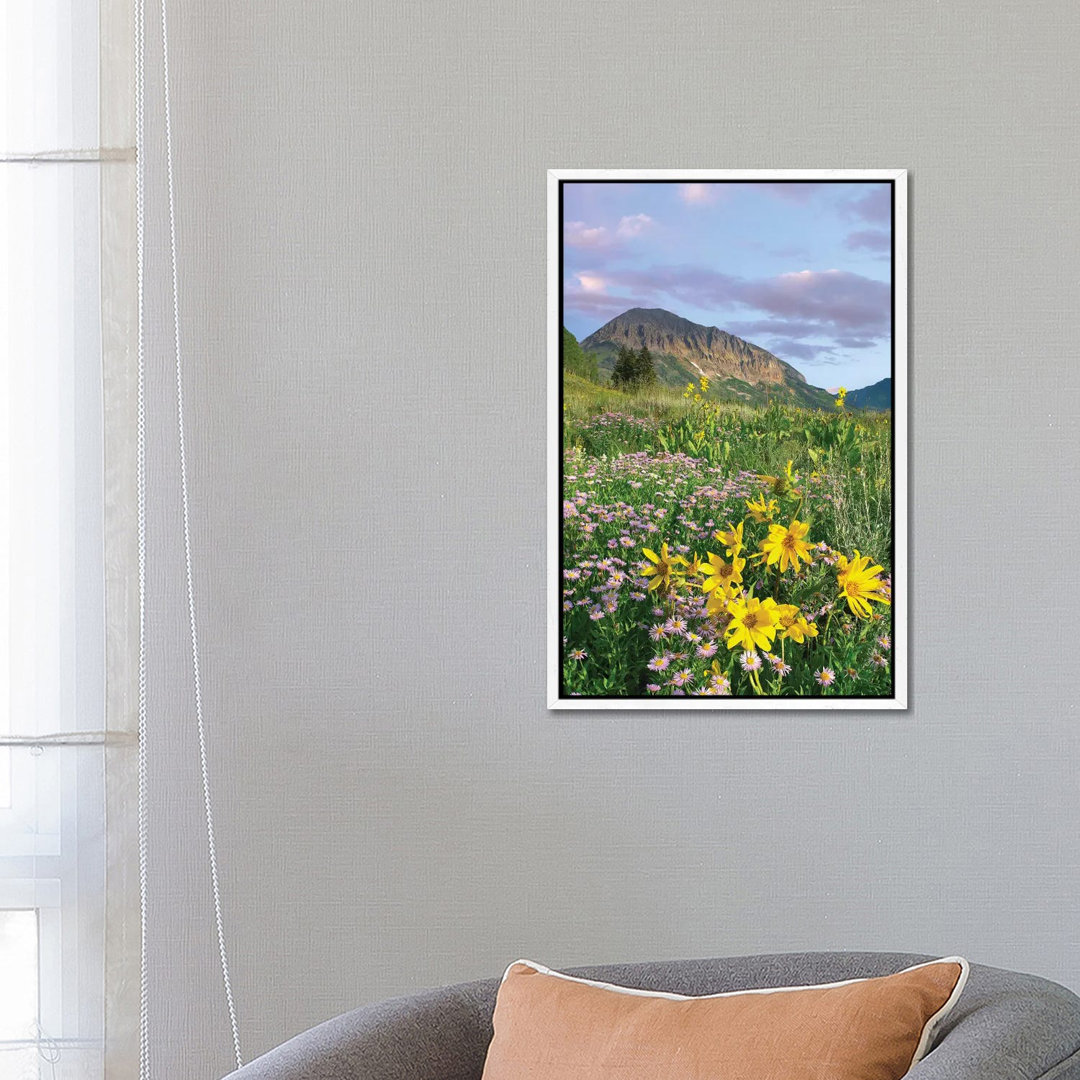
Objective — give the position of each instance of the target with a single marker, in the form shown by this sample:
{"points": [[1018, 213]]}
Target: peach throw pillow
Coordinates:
{"points": [[550, 1026]]}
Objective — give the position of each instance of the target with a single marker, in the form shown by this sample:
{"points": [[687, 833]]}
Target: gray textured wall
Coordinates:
{"points": [[361, 207]]}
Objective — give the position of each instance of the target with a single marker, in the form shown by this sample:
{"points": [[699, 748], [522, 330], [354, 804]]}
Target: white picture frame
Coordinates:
{"points": [[557, 697]]}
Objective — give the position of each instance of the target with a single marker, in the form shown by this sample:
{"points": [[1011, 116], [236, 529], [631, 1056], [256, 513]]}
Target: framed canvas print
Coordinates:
{"points": [[727, 407]]}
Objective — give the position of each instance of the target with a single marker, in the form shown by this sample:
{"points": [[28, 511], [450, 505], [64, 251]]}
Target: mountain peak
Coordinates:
{"points": [[660, 317]]}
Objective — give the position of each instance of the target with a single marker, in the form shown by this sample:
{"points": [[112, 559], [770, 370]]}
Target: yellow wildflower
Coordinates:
{"points": [[793, 625], [731, 537], [663, 570], [719, 598], [787, 546], [760, 510], [719, 680], [781, 484], [859, 583], [753, 623], [786, 614], [719, 573]]}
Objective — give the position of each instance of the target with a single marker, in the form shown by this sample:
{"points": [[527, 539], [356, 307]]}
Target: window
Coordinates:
{"points": [[52, 576]]}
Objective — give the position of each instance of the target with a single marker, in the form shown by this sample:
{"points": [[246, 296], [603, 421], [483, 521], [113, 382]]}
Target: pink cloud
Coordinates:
{"points": [[634, 225], [590, 282], [836, 298], [869, 240], [785, 327], [578, 234], [791, 191], [803, 350], [819, 301], [875, 206], [700, 194], [593, 303]]}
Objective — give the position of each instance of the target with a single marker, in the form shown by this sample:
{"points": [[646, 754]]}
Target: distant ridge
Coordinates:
{"points": [[877, 398]]}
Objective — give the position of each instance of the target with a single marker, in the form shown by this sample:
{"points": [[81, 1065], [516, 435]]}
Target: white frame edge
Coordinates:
{"points": [[901, 589]]}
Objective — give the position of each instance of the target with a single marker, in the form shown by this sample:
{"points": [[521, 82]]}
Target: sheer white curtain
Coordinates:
{"points": [[54, 213]]}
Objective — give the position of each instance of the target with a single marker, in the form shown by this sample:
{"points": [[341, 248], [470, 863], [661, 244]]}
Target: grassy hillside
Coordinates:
{"points": [[675, 374]]}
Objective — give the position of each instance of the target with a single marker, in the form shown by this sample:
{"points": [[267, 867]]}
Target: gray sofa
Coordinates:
{"points": [[1005, 1026]]}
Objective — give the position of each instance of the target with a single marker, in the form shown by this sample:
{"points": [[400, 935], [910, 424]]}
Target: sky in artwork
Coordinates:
{"points": [[801, 269]]}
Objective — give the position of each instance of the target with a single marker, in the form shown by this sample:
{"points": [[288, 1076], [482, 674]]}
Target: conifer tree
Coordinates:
{"points": [[624, 374], [644, 371]]}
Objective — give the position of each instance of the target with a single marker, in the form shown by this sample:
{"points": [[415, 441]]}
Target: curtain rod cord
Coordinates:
{"points": [[140, 456], [181, 445], [140, 95]]}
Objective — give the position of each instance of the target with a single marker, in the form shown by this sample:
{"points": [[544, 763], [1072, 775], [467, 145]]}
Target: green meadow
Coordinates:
{"points": [[716, 547]]}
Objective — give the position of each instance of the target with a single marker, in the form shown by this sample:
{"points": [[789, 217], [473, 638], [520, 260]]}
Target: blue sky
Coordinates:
{"points": [[802, 270]]}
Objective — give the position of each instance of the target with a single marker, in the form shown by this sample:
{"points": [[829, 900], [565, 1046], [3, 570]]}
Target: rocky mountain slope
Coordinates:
{"points": [[683, 351]]}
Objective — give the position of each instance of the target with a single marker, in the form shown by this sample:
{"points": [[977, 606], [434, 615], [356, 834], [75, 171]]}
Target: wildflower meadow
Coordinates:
{"points": [[714, 548]]}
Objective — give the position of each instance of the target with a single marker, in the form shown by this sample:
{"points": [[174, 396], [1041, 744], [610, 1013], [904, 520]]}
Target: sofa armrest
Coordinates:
{"points": [[441, 1034], [1007, 1026]]}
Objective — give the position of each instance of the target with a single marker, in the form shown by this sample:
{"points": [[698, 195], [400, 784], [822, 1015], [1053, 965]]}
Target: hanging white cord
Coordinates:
{"points": [[140, 469], [207, 804]]}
